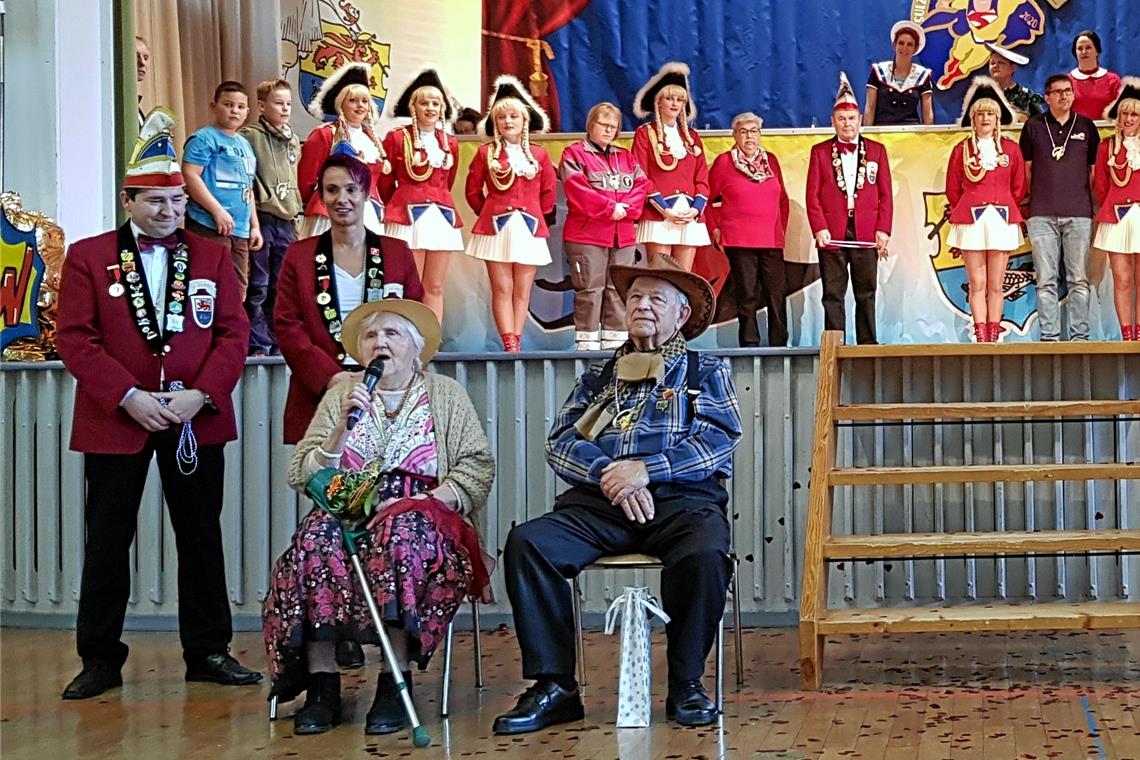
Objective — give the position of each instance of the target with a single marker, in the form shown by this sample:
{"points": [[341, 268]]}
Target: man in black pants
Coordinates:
{"points": [[850, 210], [152, 327], [645, 441]]}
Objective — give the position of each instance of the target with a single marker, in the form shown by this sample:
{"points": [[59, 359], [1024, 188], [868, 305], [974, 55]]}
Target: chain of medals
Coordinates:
{"points": [[373, 280], [1059, 150], [837, 162], [1121, 173], [142, 303]]}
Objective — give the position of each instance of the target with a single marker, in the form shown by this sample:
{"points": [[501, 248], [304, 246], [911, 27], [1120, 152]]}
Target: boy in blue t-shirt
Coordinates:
{"points": [[219, 167]]}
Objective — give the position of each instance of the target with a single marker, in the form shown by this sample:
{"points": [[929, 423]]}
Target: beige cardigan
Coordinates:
{"points": [[465, 460]]}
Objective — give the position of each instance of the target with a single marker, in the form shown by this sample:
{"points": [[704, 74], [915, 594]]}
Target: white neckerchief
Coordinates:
{"points": [[518, 161], [1132, 151], [435, 155], [674, 142], [154, 269], [363, 145], [987, 153], [849, 159]]}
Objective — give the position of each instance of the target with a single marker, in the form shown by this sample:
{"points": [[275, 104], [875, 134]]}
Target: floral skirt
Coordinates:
{"points": [[418, 576]]}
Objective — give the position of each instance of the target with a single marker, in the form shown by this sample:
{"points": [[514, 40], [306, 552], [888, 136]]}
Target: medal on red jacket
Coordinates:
{"points": [[115, 289]]}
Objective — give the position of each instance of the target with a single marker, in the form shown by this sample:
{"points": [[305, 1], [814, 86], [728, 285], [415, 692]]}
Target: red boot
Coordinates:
{"points": [[994, 329], [1127, 332], [510, 343], [981, 332], [1136, 332]]}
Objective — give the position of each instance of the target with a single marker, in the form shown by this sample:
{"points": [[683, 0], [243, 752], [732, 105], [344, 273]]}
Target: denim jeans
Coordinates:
{"points": [[1052, 237]]}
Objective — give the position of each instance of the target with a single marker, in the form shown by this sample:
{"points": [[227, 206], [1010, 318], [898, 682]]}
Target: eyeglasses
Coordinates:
{"points": [[754, 131], [1066, 91]]}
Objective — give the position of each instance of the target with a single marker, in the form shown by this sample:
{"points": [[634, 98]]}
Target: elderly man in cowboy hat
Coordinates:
{"points": [[644, 441]]}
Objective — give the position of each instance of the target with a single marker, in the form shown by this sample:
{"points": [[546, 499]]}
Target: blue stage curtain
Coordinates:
{"points": [[782, 59]]}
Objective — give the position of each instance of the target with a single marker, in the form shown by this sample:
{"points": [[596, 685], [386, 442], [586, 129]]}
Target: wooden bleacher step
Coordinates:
{"points": [[985, 410], [919, 545], [998, 473], [1001, 616]]}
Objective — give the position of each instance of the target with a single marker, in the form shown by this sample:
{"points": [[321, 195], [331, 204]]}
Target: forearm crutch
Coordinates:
{"points": [[420, 736]]}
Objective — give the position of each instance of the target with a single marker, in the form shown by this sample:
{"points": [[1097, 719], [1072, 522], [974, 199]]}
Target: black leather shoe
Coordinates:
{"points": [[689, 704], [92, 681], [387, 714], [349, 654], [221, 668], [544, 704], [322, 705]]}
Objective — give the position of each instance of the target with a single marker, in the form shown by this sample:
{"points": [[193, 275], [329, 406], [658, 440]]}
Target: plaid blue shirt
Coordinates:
{"points": [[672, 450]]}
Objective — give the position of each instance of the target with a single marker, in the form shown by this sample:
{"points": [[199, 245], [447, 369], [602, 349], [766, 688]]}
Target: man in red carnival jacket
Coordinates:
{"points": [[152, 327], [849, 208]]}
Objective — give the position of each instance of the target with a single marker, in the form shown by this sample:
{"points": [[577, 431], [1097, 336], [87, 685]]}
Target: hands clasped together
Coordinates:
{"points": [[625, 483]]}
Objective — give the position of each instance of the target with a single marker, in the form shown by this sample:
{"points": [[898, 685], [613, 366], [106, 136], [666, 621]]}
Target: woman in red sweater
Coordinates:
{"points": [[673, 158], [985, 183], [748, 218], [1116, 181], [419, 208], [511, 185]]}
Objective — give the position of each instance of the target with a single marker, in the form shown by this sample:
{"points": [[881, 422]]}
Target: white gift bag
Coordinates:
{"points": [[633, 607]]}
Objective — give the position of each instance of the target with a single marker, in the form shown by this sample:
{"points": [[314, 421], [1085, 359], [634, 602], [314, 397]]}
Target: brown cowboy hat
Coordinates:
{"points": [[413, 311], [697, 289]]}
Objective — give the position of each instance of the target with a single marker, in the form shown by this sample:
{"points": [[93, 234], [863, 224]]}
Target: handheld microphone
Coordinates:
{"points": [[371, 377]]}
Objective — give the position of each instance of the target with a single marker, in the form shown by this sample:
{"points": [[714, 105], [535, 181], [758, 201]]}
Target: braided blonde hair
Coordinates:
{"points": [[987, 105], [369, 119], [427, 91], [516, 105]]}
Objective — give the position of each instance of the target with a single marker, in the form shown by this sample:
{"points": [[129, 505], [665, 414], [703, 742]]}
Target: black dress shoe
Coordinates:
{"points": [[221, 668], [322, 705], [387, 714], [689, 704], [544, 704], [349, 654], [92, 681]]}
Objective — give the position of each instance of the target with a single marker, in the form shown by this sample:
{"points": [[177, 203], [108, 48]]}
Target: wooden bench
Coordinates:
{"points": [[822, 547]]}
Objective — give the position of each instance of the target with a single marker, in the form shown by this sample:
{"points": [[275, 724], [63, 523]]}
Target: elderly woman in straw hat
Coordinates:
{"points": [[985, 183], [420, 455]]}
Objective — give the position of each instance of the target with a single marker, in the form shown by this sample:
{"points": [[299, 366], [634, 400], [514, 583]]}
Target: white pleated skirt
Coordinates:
{"points": [[514, 244], [431, 232], [1122, 236], [669, 233], [989, 233]]}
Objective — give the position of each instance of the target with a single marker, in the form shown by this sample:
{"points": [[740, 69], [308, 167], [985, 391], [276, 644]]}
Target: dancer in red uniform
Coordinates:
{"points": [[673, 158], [985, 183]]}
